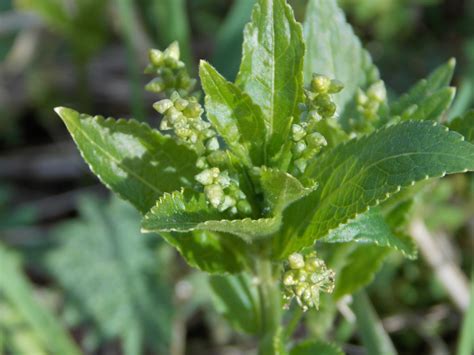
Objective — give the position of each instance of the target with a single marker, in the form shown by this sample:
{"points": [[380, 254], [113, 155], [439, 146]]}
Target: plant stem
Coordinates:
{"points": [[372, 333], [293, 323], [270, 304]]}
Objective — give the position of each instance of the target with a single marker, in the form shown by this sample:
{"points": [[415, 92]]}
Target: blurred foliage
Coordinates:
{"points": [[110, 276], [26, 325]]}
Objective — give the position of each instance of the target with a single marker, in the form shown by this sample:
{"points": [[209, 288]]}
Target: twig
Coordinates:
{"points": [[448, 273]]}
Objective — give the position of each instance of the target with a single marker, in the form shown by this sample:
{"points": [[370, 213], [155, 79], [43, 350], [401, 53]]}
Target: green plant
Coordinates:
{"points": [[288, 163]]}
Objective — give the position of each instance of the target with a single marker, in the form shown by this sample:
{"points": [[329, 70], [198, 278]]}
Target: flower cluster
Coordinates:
{"points": [[306, 277], [169, 71], [368, 103], [183, 117], [318, 105], [222, 191]]}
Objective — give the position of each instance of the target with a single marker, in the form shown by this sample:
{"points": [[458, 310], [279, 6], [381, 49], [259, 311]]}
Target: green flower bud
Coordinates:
{"points": [[163, 105], [289, 278], [316, 140], [205, 177], [296, 261], [320, 83], [194, 109], [155, 56], [335, 86], [377, 92], [299, 148], [298, 132], [212, 144], [215, 194], [227, 203], [156, 85], [172, 51], [244, 207], [223, 179], [301, 164], [180, 104], [201, 163]]}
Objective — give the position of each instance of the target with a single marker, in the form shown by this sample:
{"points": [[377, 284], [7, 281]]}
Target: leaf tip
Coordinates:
{"points": [[64, 112], [452, 62]]}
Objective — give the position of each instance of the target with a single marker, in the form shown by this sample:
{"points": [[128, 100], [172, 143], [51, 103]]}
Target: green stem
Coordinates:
{"points": [[270, 304], [293, 323], [372, 333]]}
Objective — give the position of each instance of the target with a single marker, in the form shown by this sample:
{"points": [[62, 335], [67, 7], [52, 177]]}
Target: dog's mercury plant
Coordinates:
{"points": [[301, 154]]}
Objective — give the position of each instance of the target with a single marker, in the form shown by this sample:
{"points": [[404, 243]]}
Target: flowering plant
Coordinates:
{"points": [[303, 154]]}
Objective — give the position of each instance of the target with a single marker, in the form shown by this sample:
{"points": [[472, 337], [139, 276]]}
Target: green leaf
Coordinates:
{"points": [[335, 51], [110, 276], [374, 337], [211, 252], [183, 212], [130, 158], [234, 115], [464, 125], [271, 71], [19, 294], [318, 347], [370, 228], [362, 173], [236, 298], [364, 261], [420, 94], [282, 189], [434, 106]]}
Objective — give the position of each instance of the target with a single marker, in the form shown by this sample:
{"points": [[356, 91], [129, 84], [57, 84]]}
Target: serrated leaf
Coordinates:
{"points": [[361, 266], [130, 158], [434, 106], [182, 212], [237, 299], [464, 125], [423, 90], [318, 347], [211, 252], [370, 228], [282, 189], [19, 295], [335, 51], [271, 68], [365, 172], [234, 115], [109, 275]]}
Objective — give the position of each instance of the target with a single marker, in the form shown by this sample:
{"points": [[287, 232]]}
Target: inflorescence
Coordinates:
{"points": [[318, 105], [182, 115], [305, 278]]}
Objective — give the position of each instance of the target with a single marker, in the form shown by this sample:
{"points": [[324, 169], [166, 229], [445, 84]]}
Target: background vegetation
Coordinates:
{"points": [[77, 277]]}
